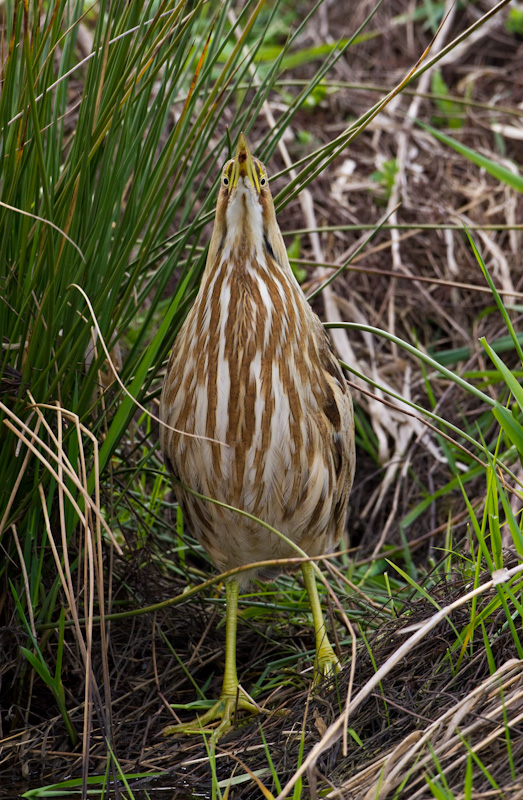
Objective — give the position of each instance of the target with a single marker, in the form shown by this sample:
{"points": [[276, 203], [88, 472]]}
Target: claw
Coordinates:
{"points": [[225, 708]]}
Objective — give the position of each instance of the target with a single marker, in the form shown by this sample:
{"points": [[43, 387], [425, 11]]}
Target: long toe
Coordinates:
{"points": [[224, 711]]}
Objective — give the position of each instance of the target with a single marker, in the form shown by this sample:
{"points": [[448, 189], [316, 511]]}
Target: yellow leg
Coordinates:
{"points": [[326, 663], [232, 698]]}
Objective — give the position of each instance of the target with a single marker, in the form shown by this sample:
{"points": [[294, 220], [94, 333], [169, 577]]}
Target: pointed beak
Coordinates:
{"points": [[244, 165]]}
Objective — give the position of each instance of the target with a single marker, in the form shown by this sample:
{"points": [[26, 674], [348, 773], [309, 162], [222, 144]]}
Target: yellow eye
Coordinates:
{"points": [[225, 180], [263, 180]]}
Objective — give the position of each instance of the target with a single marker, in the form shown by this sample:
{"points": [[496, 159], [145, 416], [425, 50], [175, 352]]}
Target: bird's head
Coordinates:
{"points": [[244, 200], [245, 216], [244, 171]]}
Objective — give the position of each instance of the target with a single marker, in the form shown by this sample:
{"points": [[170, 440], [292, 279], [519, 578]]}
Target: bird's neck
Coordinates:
{"points": [[244, 236]]}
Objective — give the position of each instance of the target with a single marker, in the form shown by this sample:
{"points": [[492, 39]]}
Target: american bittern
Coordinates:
{"points": [[252, 368]]}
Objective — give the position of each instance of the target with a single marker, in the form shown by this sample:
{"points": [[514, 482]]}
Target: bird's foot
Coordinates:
{"points": [[225, 709], [326, 664]]}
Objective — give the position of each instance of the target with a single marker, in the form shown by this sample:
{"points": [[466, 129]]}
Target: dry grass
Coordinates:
{"points": [[441, 706], [421, 710]]}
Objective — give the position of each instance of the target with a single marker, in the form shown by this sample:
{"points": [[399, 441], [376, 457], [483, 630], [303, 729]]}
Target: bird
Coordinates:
{"points": [[253, 379]]}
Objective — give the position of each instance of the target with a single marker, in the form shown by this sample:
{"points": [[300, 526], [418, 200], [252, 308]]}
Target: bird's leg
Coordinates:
{"points": [[326, 663], [232, 698]]}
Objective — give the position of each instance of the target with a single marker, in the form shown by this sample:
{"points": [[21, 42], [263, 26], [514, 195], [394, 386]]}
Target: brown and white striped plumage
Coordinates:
{"points": [[252, 367]]}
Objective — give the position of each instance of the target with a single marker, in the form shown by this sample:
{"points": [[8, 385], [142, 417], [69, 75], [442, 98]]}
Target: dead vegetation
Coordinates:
{"points": [[425, 708], [419, 280]]}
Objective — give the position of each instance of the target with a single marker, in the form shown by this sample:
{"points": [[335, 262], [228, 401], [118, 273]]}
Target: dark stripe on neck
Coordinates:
{"points": [[268, 247]]}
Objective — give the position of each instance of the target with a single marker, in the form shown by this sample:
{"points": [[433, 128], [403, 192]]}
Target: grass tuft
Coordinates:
{"points": [[114, 123]]}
